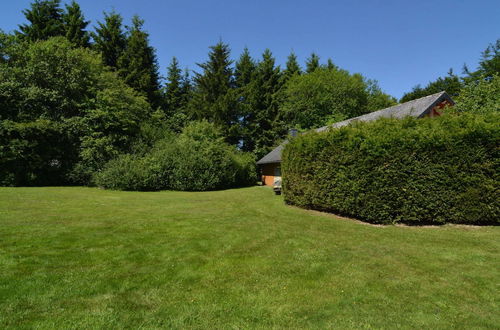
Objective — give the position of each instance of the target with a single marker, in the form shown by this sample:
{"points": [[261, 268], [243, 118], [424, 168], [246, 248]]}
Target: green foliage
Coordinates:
{"points": [[415, 171], [48, 80], [292, 67], [262, 128], [214, 97], [45, 20], [312, 100], [450, 84], [312, 63], [330, 65], [198, 159], [244, 69], [110, 128], [489, 64], [480, 97], [36, 153], [177, 92], [109, 39], [74, 25], [71, 89], [376, 98], [138, 64]]}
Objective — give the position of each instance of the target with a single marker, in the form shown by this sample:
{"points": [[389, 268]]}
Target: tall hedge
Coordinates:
{"points": [[414, 171]]}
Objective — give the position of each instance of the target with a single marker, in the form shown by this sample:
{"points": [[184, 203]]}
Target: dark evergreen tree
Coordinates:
{"points": [[451, 84], [264, 129], [292, 67], [330, 65], [214, 96], [312, 63], [174, 98], [109, 39], [138, 64], [45, 20], [75, 24], [489, 64], [177, 92], [244, 76], [186, 86], [244, 69]]}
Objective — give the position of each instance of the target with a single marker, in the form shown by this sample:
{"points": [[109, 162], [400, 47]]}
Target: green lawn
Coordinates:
{"points": [[88, 258]]}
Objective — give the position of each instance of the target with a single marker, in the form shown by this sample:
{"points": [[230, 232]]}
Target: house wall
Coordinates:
{"points": [[267, 173], [435, 112]]}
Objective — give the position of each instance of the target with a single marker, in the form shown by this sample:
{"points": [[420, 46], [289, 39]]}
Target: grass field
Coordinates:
{"points": [[88, 258]]}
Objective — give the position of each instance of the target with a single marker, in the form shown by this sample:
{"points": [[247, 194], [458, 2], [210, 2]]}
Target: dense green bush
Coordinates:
{"points": [[415, 171], [479, 97], [36, 153], [196, 160], [50, 89]]}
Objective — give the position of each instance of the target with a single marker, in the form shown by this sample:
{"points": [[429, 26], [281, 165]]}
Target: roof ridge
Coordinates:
{"points": [[414, 108]]}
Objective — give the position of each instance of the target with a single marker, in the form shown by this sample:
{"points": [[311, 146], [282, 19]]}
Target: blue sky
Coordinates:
{"points": [[399, 43]]}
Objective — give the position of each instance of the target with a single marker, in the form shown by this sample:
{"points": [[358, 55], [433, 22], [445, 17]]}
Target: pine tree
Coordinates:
{"points": [[489, 64], [174, 99], [244, 69], [109, 39], [214, 97], [292, 67], [177, 93], [138, 64], [45, 17], [312, 63], [263, 127], [75, 24], [186, 86], [330, 65]]}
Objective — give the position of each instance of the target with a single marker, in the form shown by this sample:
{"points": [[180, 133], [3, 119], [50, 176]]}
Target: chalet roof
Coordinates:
{"points": [[415, 108]]}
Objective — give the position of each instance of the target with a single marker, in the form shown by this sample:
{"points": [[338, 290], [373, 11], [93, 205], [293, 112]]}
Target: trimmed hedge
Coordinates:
{"points": [[414, 171]]}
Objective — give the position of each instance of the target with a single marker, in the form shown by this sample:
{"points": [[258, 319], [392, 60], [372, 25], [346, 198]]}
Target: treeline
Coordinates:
{"points": [[453, 84], [245, 98], [72, 98]]}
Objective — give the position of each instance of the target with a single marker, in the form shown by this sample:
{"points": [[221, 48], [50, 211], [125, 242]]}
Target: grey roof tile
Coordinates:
{"points": [[415, 108]]}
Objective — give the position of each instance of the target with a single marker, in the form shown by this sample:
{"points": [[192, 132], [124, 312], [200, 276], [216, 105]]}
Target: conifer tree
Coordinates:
{"points": [[292, 67], [312, 63], [75, 24], [489, 64], [330, 65], [214, 97], [263, 127], [186, 86], [109, 39], [174, 99], [45, 20], [244, 69], [138, 64], [177, 91]]}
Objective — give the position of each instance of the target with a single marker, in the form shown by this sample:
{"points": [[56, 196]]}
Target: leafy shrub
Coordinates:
{"points": [[196, 160], [415, 171], [313, 99], [480, 97], [35, 153], [53, 83]]}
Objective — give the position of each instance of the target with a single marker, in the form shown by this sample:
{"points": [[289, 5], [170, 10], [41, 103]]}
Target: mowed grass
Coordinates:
{"points": [[77, 257]]}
